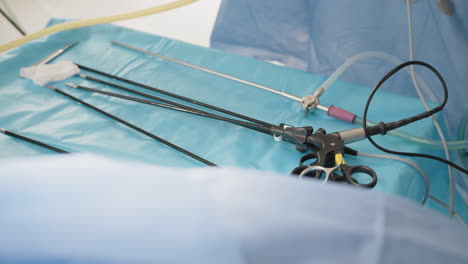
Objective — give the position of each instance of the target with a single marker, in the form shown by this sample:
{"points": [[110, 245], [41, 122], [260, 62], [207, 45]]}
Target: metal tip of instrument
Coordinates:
{"points": [[129, 47], [2, 130], [52, 87], [83, 75], [56, 53], [69, 45], [71, 85]]}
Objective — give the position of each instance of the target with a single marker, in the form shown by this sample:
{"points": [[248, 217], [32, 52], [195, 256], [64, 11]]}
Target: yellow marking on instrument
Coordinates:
{"points": [[339, 160]]}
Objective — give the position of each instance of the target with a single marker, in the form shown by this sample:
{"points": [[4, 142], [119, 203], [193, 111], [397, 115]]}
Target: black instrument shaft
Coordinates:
{"points": [[177, 107], [222, 110], [136, 128], [33, 141]]}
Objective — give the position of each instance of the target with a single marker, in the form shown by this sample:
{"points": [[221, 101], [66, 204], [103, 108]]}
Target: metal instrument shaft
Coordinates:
{"points": [[287, 95]]}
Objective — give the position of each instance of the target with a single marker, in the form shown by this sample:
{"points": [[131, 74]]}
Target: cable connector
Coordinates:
{"points": [[310, 102], [383, 128], [295, 135], [340, 114]]}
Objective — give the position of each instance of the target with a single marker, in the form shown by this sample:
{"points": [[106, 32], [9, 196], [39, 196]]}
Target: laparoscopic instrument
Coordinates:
{"points": [[302, 143], [304, 140], [311, 102], [337, 171], [30, 140], [56, 53], [132, 126], [324, 147], [301, 139], [328, 146], [308, 103], [340, 172], [322, 159]]}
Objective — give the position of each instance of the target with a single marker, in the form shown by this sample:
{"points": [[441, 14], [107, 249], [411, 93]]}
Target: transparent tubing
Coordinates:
{"points": [[460, 144], [371, 54], [434, 120], [461, 136], [409, 162]]}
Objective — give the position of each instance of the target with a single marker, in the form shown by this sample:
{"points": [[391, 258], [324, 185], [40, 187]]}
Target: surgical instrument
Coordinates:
{"points": [[310, 102], [324, 146], [160, 91], [303, 140], [12, 22], [210, 71], [56, 53], [30, 140], [174, 106], [332, 167], [295, 135], [161, 140]]}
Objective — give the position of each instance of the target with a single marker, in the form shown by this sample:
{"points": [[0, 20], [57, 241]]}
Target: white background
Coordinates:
{"points": [[192, 23]]}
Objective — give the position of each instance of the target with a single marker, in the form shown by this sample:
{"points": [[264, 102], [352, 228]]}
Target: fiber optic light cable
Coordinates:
{"points": [[382, 127], [459, 144], [33, 141], [136, 128]]}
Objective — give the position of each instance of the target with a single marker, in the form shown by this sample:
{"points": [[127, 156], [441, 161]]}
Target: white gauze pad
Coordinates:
{"points": [[47, 73]]}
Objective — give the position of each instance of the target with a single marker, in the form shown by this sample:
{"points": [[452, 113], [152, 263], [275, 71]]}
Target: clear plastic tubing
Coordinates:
{"points": [[461, 136], [371, 54], [461, 144]]}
